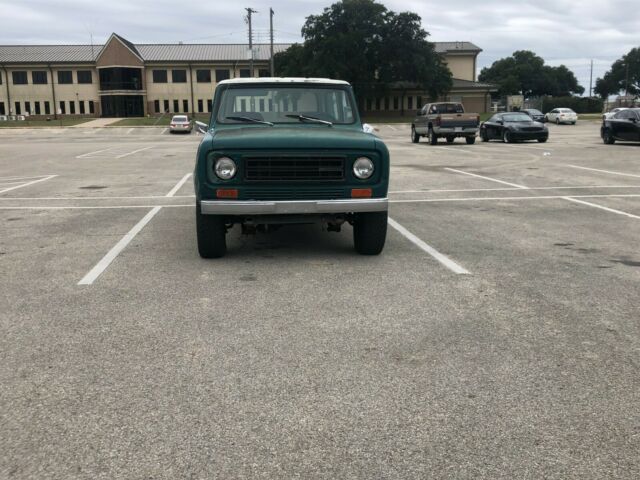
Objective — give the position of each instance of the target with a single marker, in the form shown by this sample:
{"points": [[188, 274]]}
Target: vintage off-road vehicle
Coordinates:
{"points": [[289, 150]]}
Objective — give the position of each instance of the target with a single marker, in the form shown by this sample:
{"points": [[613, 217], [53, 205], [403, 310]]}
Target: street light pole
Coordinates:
{"points": [[271, 44], [249, 12]]}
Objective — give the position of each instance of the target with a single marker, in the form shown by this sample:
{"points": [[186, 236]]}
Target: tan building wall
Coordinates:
{"points": [[462, 66]]}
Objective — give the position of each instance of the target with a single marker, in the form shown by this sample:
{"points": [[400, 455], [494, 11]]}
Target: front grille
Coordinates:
{"points": [[531, 129], [300, 193], [294, 168]]}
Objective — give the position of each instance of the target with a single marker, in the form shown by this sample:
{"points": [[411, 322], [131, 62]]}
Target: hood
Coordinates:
{"points": [[298, 137]]}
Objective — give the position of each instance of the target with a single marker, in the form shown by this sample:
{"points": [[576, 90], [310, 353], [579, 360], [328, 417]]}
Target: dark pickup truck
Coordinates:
{"points": [[446, 120]]}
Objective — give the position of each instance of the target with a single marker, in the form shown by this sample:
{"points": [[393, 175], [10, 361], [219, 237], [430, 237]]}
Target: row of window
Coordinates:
{"points": [[202, 75], [41, 77], [44, 108], [385, 103], [173, 106]]}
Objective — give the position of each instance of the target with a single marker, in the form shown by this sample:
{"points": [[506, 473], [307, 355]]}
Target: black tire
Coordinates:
{"points": [[506, 136], [607, 137], [415, 138], [542, 140], [483, 136], [211, 232], [369, 232], [470, 140], [557, 121], [450, 139], [573, 123], [433, 139]]}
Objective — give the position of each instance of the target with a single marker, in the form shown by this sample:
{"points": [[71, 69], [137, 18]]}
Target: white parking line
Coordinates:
{"points": [[135, 151], [443, 259], [456, 149], [605, 171], [487, 178], [27, 184], [392, 128], [178, 185], [583, 187], [602, 207], [22, 178], [85, 155], [541, 197], [129, 131]]}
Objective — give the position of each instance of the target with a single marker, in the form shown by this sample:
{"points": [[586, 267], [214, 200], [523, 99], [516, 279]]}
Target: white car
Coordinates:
{"points": [[562, 115], [180, 123], [612, 112]]}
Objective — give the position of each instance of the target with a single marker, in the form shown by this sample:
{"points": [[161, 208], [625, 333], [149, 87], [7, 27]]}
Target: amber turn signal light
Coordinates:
{"points": [[227, 193], [361, 193]]}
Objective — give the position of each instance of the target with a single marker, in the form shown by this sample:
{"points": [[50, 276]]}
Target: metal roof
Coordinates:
{"points": [[452, 47]]}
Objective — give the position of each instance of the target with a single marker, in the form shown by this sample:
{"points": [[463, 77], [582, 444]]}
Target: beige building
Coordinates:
{"points": [[122, 79]]}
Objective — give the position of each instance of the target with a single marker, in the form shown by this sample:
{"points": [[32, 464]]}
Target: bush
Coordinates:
{"points": [[577, 104]]}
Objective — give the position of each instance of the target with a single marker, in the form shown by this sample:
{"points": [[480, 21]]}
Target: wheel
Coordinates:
{"points": [[433, 139], [542, 140], [608, 138], [573, 123], [483, 136], [415, 138], [211, 232], [506, 136], [470, 140], [369, 232], [450, 139], [557, 121]]}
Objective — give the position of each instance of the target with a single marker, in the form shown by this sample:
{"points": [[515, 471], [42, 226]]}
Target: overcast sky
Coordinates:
{"points": [[570, 32]]}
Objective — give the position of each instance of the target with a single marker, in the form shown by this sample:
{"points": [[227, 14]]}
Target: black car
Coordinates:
{"points": [[512, 127], [536, 115], [624, 126]]}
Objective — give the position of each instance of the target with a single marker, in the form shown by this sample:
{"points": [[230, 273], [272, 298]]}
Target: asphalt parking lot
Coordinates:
{"points": [[497, 336]]}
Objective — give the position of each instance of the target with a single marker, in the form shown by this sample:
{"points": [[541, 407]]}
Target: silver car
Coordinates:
{"points": [[180, 123]]}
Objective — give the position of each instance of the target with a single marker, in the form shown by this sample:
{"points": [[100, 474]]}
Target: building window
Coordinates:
{"points": [[62, 108], [91, 107], [166, 106], [47, 108], [72, 107], [84, 76], [185, 106], [410, 103], [222, 74], [200, 106], [156, 106], [245, 72], [19, 78], [419, 103], [159, 76], [203, 76], [396, 103], [377, 104], [2, 111], [18, 111], [0, 78], [263, 72], [176, 108], [209, 105], [81, 105], [37, 105], [65, 77], [179, 76], [386, 103], [369, 104], [39, 77], [27, 108]]}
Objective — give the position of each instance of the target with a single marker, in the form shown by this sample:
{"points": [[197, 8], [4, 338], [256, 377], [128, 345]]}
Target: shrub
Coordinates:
{"points": [[577, 104]]}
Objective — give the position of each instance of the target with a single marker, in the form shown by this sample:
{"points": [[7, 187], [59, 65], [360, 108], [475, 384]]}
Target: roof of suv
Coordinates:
{"points": [[234, 81]]}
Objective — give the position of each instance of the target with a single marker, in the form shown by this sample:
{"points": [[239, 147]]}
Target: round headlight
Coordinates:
{"points": [[363, 168], [225, 168]]}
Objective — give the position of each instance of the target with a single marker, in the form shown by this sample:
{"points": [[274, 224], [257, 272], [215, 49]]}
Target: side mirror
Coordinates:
{"points": [[366, 128], [499, 122], [202, 127]]}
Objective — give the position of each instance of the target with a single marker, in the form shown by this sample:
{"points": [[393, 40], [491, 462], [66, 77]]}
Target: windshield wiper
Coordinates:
{"points": [[304, 118], [249, 119]]}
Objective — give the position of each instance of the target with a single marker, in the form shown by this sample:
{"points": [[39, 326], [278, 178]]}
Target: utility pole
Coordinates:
{"points": [[591, 79], [271, 45], [626, 82], [249, 12]]}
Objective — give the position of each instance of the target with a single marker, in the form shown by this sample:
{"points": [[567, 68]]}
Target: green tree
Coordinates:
{"points": [[524, 73], [624, 76], [369, 46]]}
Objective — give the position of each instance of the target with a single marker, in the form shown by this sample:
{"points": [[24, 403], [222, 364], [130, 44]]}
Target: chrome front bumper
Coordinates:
{"points": [[283, 207]]}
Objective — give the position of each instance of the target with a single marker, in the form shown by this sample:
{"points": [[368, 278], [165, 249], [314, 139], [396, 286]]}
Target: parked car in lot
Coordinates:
{"points": [[289, 150], [535, 115], [623, 125], [180, 123], [512, 127], [447, 120], [562, 115], [612, 112]]}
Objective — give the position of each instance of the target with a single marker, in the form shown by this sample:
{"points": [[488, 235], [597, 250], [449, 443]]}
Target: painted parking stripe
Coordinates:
{"points": [[601, 207], [178, 185], [443, 259], [540, 197], [135, 151], [28, 183], [605, 171], [510, 189], [487, 178], [88, 154]]}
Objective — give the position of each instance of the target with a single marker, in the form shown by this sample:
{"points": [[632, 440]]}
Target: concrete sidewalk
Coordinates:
{"points": [[98, 122]]}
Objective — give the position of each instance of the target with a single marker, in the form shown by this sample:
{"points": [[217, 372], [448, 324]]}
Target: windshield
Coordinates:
{"points": [[277, 104], [516, 117], [179, 119]]}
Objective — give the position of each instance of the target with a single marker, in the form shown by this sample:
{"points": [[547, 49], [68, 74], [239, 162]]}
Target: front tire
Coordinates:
{"points": [[415, 138], [433, 139], [506, 136], [483, 136], [369, 232], [211, 232], [542, 140], [470, 140], [608, 138], [557, 121]]}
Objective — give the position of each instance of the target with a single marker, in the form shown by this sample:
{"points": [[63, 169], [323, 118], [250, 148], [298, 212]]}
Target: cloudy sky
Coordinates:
{"points": [[569, 32]]}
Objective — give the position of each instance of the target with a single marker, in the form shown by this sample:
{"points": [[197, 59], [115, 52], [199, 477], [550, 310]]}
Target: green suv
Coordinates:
{"points": [[289, 150]]}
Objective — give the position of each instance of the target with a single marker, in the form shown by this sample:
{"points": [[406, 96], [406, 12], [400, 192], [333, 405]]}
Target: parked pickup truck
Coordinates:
{"points": [[446, 120], [282, 151]]}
